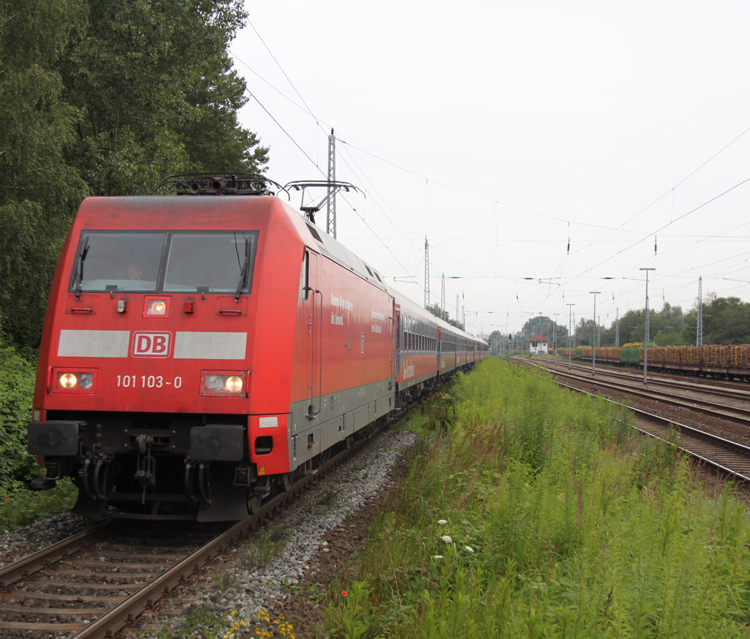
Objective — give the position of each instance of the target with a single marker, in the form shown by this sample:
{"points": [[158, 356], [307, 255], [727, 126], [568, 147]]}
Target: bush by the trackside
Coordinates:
{"points": [[18, 504], [532, 512]]}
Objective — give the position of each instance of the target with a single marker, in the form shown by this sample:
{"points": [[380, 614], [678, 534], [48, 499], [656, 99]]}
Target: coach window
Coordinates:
{"points": [[304, 278]]}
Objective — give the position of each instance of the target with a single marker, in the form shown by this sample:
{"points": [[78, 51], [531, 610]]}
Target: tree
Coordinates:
{"points": [[544, 326], [665, 327], [39, 191], [156, 93], [726, 320], [105, 98], [586, 331]]}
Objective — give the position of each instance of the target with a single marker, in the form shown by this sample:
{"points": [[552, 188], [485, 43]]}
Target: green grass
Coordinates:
{"points": [[20, 506], [261, 548], [559, 522]]}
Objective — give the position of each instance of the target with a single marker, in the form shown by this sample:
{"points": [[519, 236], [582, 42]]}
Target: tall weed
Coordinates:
{"points": [[532, 512]]}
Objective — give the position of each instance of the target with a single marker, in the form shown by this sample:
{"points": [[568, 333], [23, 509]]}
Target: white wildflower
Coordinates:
{"points": [[447, 539], [437, 556], [442, 522], [469, 549]]}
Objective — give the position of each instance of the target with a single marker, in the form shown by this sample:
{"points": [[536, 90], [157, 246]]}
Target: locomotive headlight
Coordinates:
{"points": [[234, 384], [156, 307], [67, 380], [223, 383], [214, 383], [72, 380]]}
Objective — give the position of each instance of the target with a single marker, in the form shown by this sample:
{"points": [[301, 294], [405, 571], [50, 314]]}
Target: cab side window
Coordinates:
{"points": [[304, 280]]}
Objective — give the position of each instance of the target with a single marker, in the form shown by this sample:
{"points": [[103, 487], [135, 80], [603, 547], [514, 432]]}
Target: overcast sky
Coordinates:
{"points": [[504, 131]]}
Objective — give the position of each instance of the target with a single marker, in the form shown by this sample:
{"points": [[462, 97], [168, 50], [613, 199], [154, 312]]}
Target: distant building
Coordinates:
{"points": [[538, 345]]}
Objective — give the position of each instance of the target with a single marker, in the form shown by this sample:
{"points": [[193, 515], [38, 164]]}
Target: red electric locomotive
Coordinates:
{"points": [[200, 353]]}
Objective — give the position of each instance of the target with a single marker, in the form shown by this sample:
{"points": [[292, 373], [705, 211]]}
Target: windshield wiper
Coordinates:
{"points": [[244, 272], [79, 267]]}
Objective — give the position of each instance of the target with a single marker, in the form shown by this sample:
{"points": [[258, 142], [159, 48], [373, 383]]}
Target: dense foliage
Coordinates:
{"points": [[532, 512], [726, 320], [18, 504], [105, 98], [17, 375]]}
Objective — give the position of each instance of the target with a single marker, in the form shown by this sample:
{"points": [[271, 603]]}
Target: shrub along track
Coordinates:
{"points": [[97, 582]]}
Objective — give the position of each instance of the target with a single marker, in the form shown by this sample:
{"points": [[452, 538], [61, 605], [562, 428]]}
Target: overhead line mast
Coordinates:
{"points": [[331, 227], [699, 326], [442, 298], [426, 273]]}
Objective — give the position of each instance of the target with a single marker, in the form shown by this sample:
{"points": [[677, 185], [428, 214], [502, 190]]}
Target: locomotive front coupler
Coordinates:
{"points": [[146, 463], [94, 476]]}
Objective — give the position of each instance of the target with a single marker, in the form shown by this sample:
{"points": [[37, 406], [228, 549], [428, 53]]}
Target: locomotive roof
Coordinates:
{"points": [[336, 251]]}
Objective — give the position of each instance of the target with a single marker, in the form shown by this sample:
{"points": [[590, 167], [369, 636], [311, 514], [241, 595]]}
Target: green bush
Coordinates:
{"points": [[17, 375], [19, 505], [539, 513]]}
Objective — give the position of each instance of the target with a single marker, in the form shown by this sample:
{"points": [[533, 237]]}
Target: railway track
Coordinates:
{"points": [[735, 414], [719, 388], [96, 583]]}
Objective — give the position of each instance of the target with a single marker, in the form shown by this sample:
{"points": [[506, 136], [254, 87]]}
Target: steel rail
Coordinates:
{"points": [[23, 568], [741, 393]]}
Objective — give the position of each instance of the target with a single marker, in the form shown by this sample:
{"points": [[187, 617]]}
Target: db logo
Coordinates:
{"points": [[151, 344]]}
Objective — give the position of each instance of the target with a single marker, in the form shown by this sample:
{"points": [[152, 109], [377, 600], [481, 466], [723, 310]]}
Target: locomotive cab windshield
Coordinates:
{"points": [[164, 262]]}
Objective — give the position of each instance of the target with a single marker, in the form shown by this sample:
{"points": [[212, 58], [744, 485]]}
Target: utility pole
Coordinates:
{"points": [[331, 191], [570, 333], [645, 343], [426, 273], [554, 337], [617, 328], [593, 359], [457, 308], [700, 312]]}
